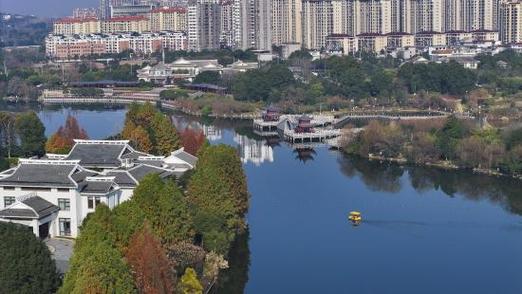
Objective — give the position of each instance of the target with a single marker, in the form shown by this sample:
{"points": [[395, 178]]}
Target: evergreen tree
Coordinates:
{"points": [[218, 195], [31, 132], [165, 208], [165, 135], [26, 264], [97, 266]]}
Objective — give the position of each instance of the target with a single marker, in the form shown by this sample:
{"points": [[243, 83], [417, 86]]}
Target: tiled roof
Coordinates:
{"points": [[97, 155], [140, 171], [123, 179], [96, 187], [187, 157], [38, 208], [44, 174]]}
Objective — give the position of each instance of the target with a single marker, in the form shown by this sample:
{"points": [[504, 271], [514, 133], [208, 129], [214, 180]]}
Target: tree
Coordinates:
{"points": [[192, 140], [165, 208], [189, 282], [31, 132], [97, 266], [140, 139], [26, 262], [102, 270], [165, 135], [448, 136], [7, 123], [208, 77], [218, 195], [57, 143], [62, 141], [149, 263]]}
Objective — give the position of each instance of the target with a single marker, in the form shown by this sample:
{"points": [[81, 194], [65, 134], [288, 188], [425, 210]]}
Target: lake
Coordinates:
{"points": [[424, 230]]}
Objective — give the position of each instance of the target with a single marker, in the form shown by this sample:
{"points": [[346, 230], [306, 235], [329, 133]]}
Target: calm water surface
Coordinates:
{"points": [[424, 230]]}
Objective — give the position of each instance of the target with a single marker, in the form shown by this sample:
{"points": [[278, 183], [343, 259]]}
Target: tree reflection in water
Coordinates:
{"points": [[233, 280], [304, 154], [386, 176]]}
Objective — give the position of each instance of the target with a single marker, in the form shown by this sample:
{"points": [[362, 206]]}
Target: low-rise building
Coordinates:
{"points": [[124, 24], [181, 69], [53, 195], [343, 44], [78, 26], [372, 42], [66, 47], [427, 39]]}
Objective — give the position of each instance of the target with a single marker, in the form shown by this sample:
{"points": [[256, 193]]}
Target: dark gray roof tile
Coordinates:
{"points": [[96, 187], [140, 171], [122, 179], [41, 175], [97, 155]]}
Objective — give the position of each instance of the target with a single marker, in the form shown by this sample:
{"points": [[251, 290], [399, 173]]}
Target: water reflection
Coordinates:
{"points": [[251, 150], [234, 279], [304, 154], [387, 177]]}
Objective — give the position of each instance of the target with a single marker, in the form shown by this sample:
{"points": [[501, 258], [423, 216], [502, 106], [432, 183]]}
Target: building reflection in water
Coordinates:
{"points": [[212, 133], [251, 150]]}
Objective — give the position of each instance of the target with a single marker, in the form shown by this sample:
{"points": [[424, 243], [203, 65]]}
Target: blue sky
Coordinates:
{"points": [[46, 8]]}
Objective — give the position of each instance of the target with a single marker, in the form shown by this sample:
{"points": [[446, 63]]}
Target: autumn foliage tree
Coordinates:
{"points": [[62, 141], [192, 140], [149, 264], [150, 130]]}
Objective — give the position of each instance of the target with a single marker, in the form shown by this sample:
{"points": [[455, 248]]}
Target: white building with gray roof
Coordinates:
{"points": [[53, 195]]}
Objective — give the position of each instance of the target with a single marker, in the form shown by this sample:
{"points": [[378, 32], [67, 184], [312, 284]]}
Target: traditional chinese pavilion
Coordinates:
{"points": [[271, 114], [304, 124]]}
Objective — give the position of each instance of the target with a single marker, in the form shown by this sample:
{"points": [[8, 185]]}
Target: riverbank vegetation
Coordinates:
{"points": [[451, 142]]}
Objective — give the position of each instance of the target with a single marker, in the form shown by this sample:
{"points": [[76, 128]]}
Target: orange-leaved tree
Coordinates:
{"points": [[150, 267], [62, 141]]}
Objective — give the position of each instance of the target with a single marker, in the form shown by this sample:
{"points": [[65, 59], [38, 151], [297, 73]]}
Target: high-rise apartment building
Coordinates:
{"points": [[427, 16], [203, 21], [511, 21], [317, 23], [286, 21], [373, 16], [263, 24], [168, 19]]}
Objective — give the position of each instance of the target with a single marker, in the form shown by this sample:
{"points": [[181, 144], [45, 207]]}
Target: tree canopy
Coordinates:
{"points": [[31, 132], [26, 264], [150, 130], [218, 195], [62, 141]]}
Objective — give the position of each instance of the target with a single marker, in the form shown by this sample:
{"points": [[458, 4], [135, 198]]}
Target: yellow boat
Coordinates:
{"points": [[355, 217]]}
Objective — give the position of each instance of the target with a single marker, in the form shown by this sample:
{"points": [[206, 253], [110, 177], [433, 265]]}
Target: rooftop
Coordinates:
{"points": [[42, 173], [29, 206]]}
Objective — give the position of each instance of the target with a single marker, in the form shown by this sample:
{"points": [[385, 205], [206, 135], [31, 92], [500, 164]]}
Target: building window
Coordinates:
{"points": [[64, 204], [8, 200], [65, 226], [92, 202], [9, 188], [63, 190]]}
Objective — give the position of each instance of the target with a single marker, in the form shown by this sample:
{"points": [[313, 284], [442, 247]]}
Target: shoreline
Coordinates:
{"points": [[439, 165]]}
